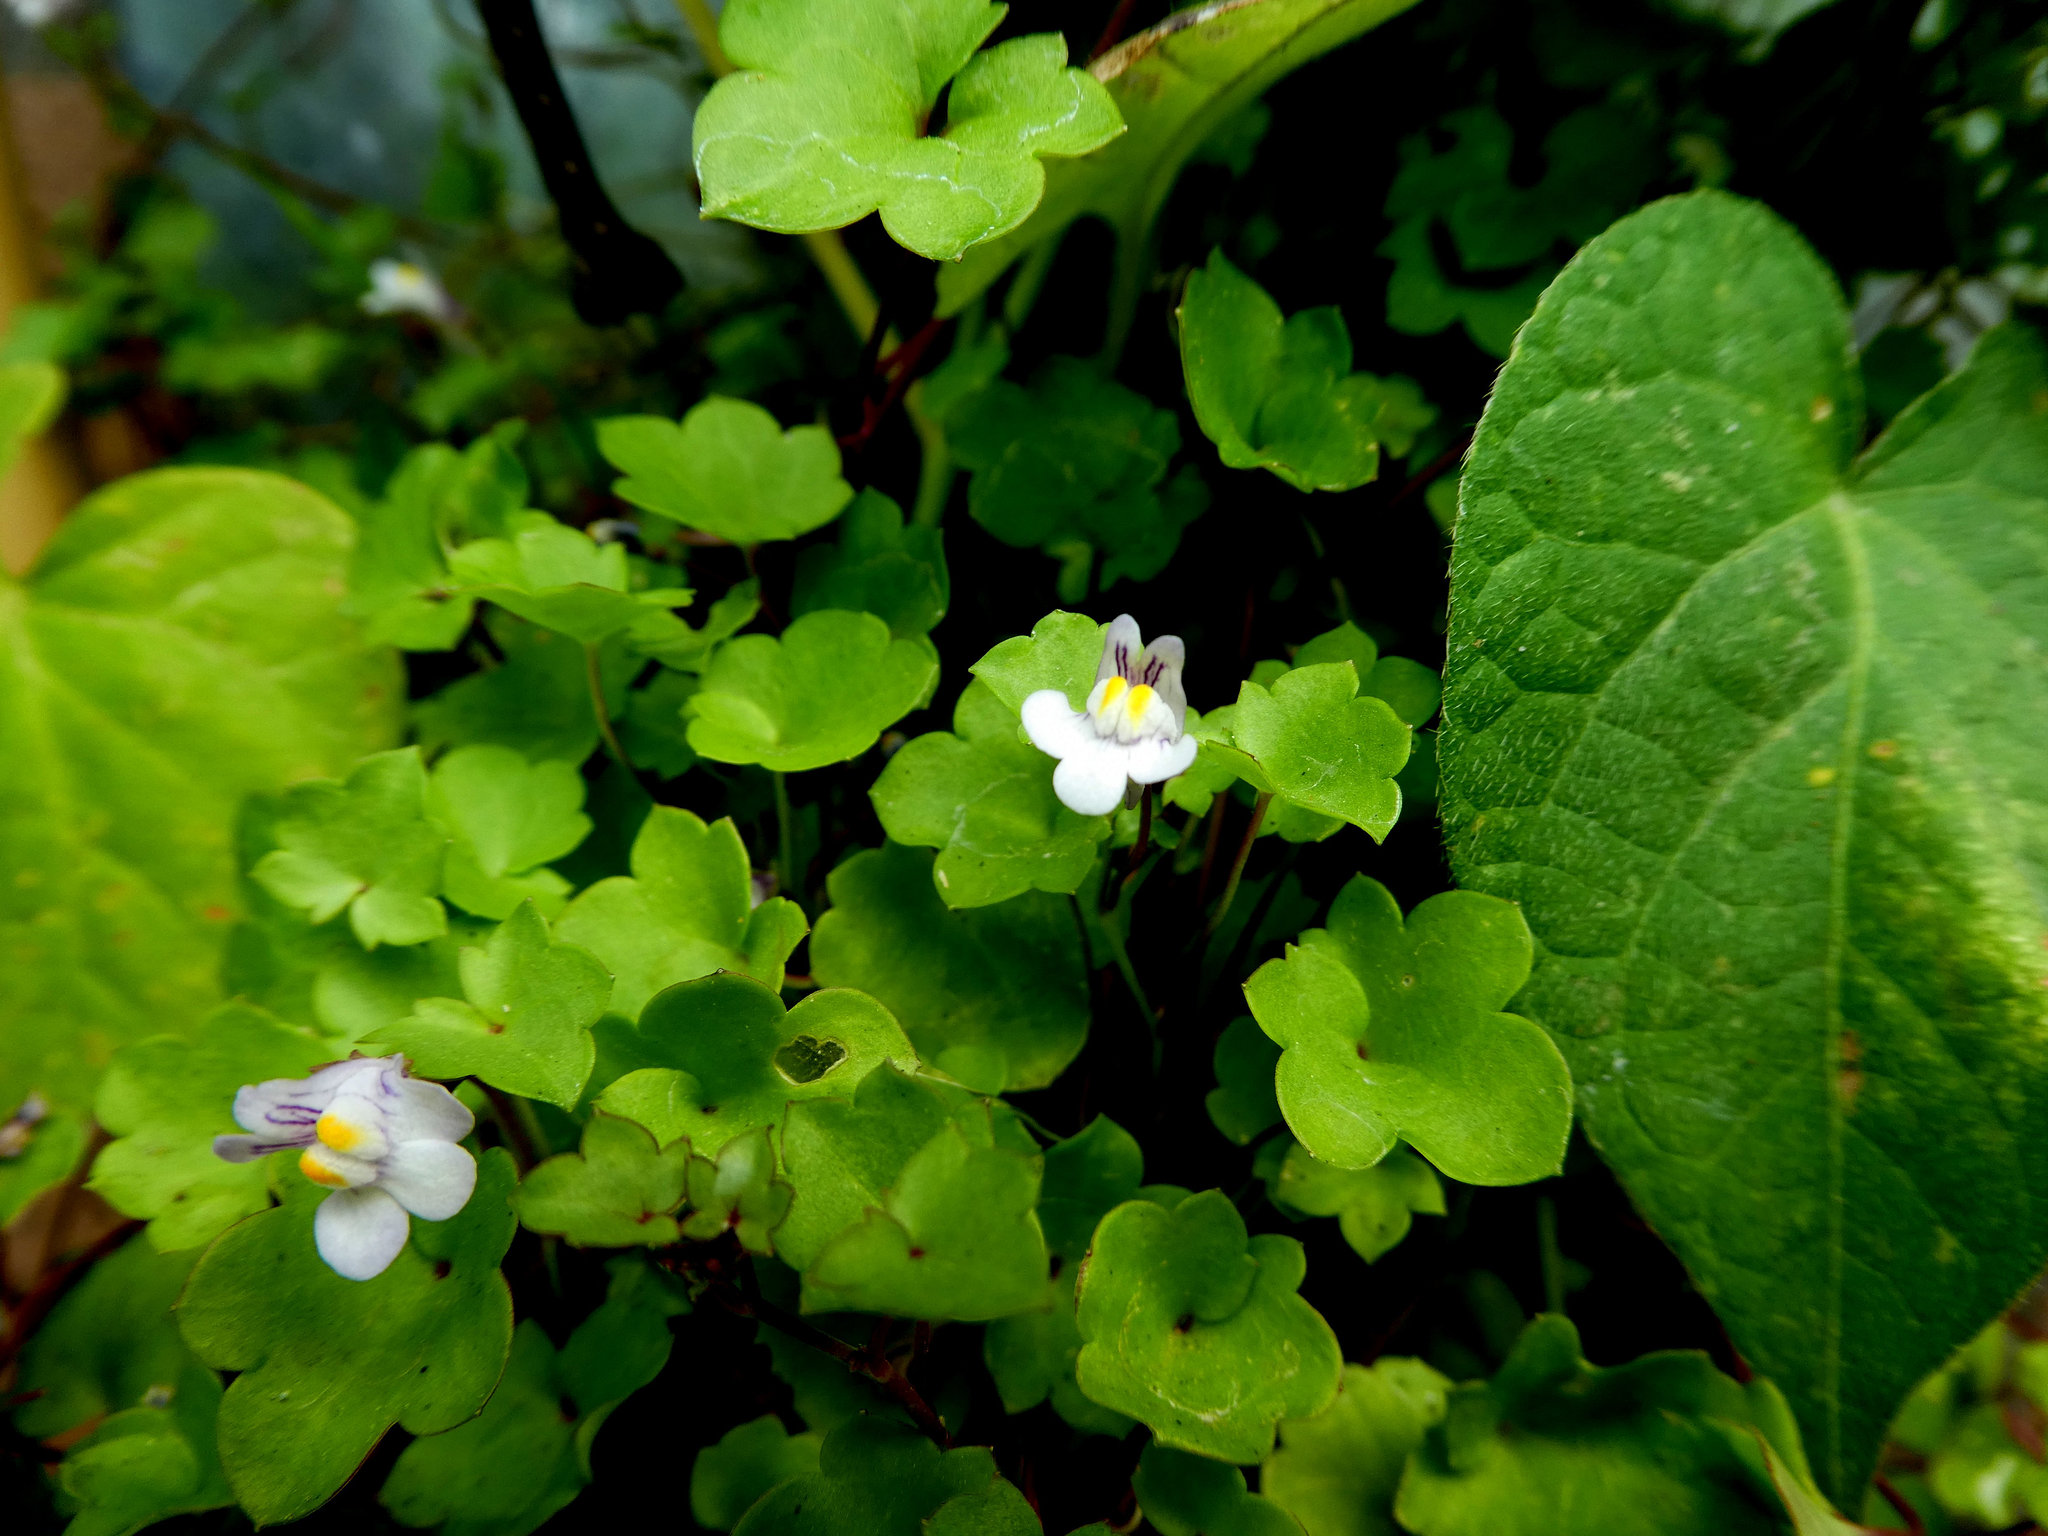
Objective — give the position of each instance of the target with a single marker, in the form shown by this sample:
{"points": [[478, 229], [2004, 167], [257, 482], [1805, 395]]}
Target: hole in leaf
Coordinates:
{"points": [[806, 1059]]}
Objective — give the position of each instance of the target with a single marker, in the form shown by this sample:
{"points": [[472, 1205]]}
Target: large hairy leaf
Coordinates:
{"points": [[1172, 85], [1753, 728], [178, 647]]}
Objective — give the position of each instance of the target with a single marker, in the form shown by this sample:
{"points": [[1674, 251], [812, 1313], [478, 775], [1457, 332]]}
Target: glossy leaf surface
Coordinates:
{"points": [[1749, 726], [216, 588], [729, 469], [997, 997], [1393, 1029], [1337, 1471]]}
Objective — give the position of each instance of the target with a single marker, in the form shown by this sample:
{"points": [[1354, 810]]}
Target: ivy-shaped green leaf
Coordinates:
{"points": [[560, 578], [1742, 720], [147, 1464], [730, 1477], [1313, 742], [327, 1365], [1336, 1472], [823, 122], [731, 1058], [527, 1454], [31, 394], [1393, 1031], [822, 692], [1242, 1105], [686, 911], [508, 817], [984, 799], [843, 1152], [1062, 651], [1198, 1333], [366, 847], [879, 566], [1185, 1495], [668, 640], [399, 582], [1555, 1446], [1280, 394], [621, 1188], [523, 1022], [164, 1100], [737, 1193], [47, 1147], [956, 1238], [996, 998], [1374, 1206], [1599, 158], [1076, 465], [536, 701], [879, 1477], [213, 588], [728, 469], [652, 729]]}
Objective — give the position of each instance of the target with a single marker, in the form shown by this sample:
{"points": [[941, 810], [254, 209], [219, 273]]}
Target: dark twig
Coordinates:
{"points": [[1209, 844], [1915, 1526], [1113, 31], [900, 368], [870, 1362], [616, 271], [1244, 851], [1142, 846], [1430, 471]]}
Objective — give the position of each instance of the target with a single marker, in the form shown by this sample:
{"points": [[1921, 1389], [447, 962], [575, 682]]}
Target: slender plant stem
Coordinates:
{"points": [[870, 1362], [49, 1290], [1244, 851], [785, 827], [1129, 973], [518, 1137], [1142, 846], [704, 31], [1029, 280], [595, 673], [1081, 927], [1210, 842], [935, 472]]}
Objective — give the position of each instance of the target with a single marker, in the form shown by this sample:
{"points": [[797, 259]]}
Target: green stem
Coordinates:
{"points": [[1244, 851], [843, 276], [595, 672], [704, 30], [1030, 278], [1130, 975], [1133, 260], [935, 472], [785, 826]]}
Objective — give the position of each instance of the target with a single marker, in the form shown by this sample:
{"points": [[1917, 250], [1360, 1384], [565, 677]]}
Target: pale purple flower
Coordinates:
{"points": [[385, 1143]]}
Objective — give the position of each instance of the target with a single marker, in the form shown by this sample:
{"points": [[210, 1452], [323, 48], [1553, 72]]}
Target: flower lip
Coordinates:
{"points": [[1132, 730], [383, 1142]]}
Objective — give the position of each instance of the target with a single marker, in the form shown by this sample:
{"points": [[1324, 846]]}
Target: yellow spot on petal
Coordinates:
{"points": [[337, 1132], [1820, 778], [1141, 698], [1112, 690], [311, 1166]]}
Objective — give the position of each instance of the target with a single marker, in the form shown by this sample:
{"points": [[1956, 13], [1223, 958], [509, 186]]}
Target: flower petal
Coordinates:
{"points": [[1091, 781], [1155, 760], [427, 1112], [1052, 725], [1160, 668], [359, 1232], [246, 1149], [288, 1106], [432, 1179], [1120, 649]]}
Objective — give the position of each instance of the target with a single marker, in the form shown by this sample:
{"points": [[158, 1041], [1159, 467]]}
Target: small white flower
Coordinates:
{"points": [[1130, 733], [407, 288], [40, 13], [384, 1143]]}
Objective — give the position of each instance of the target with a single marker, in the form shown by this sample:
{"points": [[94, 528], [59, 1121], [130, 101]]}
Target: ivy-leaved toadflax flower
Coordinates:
{"points": [[1133, 730], [385, 1143]]}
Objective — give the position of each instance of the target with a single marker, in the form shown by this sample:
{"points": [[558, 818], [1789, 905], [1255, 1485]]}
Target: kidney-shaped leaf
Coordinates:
{"points": [[1337, 1471], [177, 649], [1391, 1031], [1194, 1331], [684, 912], [619, 1189], [328, 1365], [823, 121], [727, 468], [730, 1058], [1752, 728], [997, 997]]}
